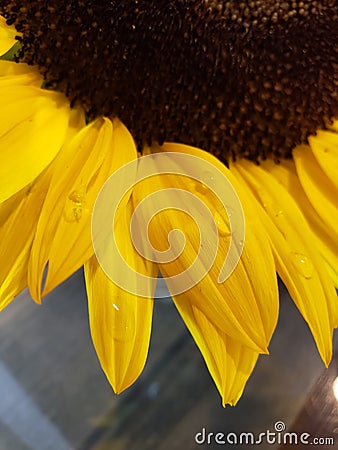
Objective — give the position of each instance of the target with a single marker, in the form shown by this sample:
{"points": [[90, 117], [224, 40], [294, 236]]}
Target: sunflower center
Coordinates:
{"points": [[250, 78]]}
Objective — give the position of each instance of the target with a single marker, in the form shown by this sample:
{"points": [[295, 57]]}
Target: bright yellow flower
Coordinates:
{"points": [[57, 153]]}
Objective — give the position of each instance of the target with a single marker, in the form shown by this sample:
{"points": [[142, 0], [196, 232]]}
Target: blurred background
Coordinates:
{"points": [[54, 395]]}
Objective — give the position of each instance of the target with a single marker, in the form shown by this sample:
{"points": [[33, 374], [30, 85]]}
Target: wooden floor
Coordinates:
{"points": [[54, 396]]}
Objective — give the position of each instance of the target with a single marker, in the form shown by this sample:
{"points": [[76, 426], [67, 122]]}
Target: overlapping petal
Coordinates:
{"points": [[19, 216], [245, 306], [79, 172], [326, 239], [230, 363], [298, 262], [33, 124], [324, 146], [321, 191], [18, 220], [12, 74]]}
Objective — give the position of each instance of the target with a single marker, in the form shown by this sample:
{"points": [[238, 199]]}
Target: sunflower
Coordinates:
{"points": [[94, 84]]}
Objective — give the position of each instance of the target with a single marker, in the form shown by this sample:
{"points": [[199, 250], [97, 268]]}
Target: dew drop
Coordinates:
{"points": [[222, 226], [77, 197], [75, 206], [303, 264], [72, 213], [120, 325], [264, 198]]}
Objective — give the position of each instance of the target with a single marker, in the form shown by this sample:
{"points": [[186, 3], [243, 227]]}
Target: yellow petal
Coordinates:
{"points": [[33, 124], [245, 306], [325, 149], [13, 74], [326, 241], [229, 362], [298, 263], [120, 321], [318, 187], [63, 238], [18, 220], [7, 36], [19, 216]]}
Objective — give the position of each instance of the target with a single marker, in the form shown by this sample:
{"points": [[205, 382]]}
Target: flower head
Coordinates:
{"points": [[252, 83]]}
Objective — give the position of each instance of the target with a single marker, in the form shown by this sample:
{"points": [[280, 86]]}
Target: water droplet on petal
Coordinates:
{"points": [[303, 264], [75, 206], [264, 198], [121, 324], [72, 214], [222, 226], [77, 197]]}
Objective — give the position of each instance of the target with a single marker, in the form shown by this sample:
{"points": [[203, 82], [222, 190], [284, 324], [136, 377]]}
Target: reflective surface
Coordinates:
{"points": [[54, 396]]}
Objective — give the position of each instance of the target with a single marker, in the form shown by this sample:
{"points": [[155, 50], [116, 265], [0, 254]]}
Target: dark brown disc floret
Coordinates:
{"points": [[249, 78]]}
